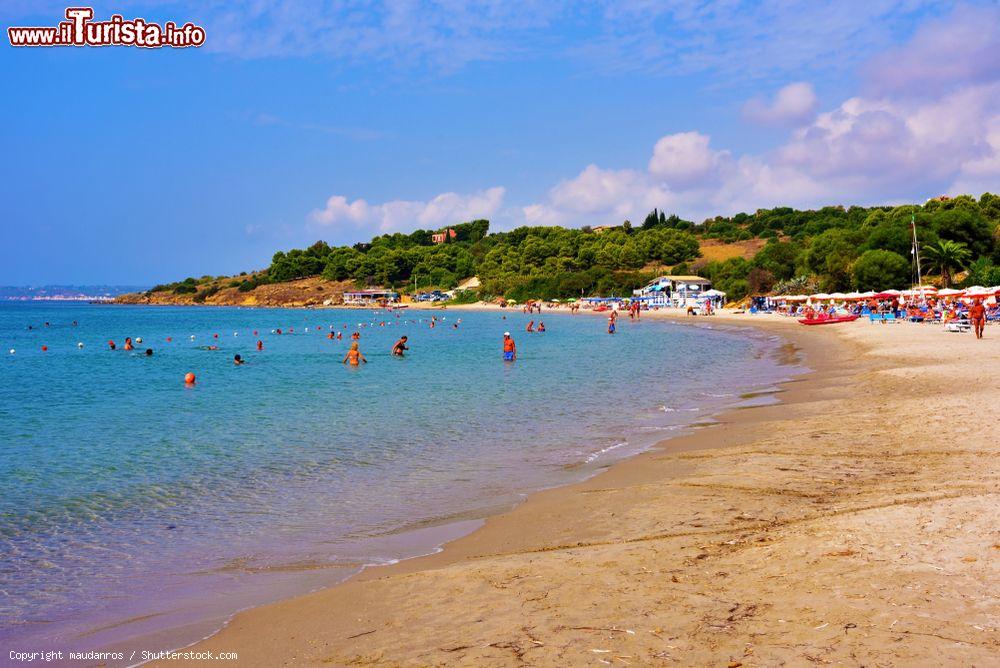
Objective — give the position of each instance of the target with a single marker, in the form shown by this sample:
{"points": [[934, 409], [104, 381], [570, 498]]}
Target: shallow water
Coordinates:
{"points": [[133, 504]]}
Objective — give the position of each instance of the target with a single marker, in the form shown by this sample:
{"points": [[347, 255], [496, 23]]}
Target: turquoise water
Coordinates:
{"points": [[133, 504]]}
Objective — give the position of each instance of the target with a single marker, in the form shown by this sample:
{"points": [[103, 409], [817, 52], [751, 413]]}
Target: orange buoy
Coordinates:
{"points": [[169, 339], [215, 336], [189, 378], [44, 348]]}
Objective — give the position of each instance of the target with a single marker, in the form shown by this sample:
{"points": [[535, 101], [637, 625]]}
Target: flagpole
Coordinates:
{"points": [[916, 253]]}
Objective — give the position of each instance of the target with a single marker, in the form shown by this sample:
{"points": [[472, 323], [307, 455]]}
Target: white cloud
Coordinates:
{"points": [[895, 142], [445, 209], [684, 160], [792, 105], [897, 145]]}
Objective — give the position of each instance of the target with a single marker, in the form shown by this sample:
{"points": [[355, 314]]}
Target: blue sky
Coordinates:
{"points": [[305, 120]]}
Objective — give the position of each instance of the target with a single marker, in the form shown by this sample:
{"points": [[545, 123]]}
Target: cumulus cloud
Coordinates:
{"points": [[792, 105], [684, 160], [897, 141], [445, 209], [900, 141]]}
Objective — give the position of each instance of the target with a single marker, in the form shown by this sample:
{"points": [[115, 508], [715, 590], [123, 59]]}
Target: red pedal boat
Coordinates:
{"points": [[828, 320]]}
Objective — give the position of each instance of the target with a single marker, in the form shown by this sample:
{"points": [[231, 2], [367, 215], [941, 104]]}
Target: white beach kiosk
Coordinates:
{"points": [[676, 291]]}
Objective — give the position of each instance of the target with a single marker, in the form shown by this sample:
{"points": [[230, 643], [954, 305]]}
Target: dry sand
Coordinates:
{"points": [[856, 523]]}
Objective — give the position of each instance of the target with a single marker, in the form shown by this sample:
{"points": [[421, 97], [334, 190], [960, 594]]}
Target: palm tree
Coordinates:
{"points": [[946, 255]]}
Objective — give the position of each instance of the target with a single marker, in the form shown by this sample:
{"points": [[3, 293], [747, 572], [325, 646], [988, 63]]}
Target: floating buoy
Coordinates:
{"points": [[307, 329], [192, 337], [189, 378], [255, 332], [215, 336], [169, 339], [80, 344], [236, 333], [12, 351], [44, 348], [138, 339]]}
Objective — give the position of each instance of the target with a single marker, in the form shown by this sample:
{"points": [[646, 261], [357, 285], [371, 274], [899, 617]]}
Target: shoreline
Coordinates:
{"points": [[448, 529], [692, 437], [833, 526]]}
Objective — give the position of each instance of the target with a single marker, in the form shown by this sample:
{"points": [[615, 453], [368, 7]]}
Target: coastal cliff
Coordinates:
{"points": [[314, 291]]}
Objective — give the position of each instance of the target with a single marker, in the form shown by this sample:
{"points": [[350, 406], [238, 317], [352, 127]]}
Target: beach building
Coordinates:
{"points": [[674, 291], [370, 297]]}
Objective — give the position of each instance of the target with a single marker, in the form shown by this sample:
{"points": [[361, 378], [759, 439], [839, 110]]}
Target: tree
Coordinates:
{"points": [[946, 255], [778, 257], [881, 270]]}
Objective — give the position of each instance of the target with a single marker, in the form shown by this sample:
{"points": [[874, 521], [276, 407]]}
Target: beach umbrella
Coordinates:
{"points": [[853, 295], [820, 296], [979, 291], [950, 292], [838, 295]]}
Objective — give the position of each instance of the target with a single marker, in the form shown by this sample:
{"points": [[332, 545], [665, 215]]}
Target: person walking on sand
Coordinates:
{"points": [[509, 348], [399, 347], [977, 314], [354, 356]]}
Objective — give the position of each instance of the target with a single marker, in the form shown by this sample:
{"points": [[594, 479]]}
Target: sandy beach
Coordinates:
{"points": [[854, 523]]}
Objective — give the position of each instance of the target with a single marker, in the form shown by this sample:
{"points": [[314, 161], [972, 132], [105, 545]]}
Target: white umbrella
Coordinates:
{"points": [[853, 295], [820, 295], [950, 292], [838, 295]]}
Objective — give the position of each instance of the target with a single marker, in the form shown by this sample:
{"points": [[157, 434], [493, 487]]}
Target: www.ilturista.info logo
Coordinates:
{"points": [[80, 30]]}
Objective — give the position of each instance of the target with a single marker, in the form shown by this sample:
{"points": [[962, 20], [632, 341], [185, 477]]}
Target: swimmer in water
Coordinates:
{"points": [[128, 343], [530, 327], [399, 347], [260, 345], [541, 326], [149, 352], [354, 356], [237, 360], [509, 348]]}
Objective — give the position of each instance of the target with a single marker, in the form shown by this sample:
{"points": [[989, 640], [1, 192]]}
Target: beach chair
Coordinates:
{"points": [[874, 317], [958, 325], [889, 317]]}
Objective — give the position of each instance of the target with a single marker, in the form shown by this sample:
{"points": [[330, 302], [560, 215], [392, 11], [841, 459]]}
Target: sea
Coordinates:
{"points": [[136, 509]]}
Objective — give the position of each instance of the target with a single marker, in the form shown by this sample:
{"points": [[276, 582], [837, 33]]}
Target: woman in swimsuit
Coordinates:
{"points": [[354, 356]]}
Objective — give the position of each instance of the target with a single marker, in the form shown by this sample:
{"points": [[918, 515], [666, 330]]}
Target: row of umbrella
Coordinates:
{"points": [[974, 291]]}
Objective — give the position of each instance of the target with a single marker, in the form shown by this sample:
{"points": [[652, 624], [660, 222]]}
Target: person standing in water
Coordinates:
{"points": [[354, 356], [509, 348], [399, 347]]}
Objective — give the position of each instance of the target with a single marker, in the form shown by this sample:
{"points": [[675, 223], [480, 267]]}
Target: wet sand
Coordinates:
{"points": [[856, 522]]}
